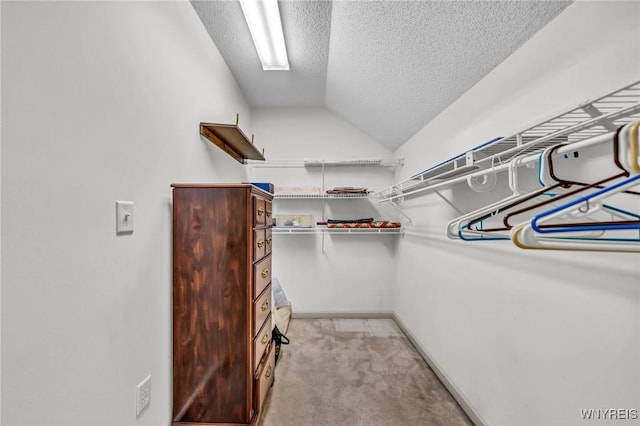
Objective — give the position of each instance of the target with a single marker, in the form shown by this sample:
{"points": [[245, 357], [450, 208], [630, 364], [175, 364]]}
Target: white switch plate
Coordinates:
{"points": [[124, 217], [143, 395]]}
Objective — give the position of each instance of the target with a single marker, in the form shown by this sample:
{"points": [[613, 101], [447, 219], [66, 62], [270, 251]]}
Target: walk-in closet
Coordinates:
{"points": [[320, 213]]}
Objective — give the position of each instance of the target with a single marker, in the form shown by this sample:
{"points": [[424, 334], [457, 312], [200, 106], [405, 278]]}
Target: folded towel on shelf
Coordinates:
{"points": [[347, 190], [376, 224], [366, 220], [297, 190]]}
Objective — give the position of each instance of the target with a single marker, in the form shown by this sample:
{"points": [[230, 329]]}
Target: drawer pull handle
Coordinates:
{"points": [[265, 338], [268, 213], [265, 273], [267, 373], [260, 212], [260, 244], [268, 241], [265, 306]]}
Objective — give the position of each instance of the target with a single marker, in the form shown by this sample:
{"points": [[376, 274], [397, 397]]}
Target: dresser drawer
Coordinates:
{"points": [[261, 309], [265, 379], [267, 240], [259, 212], [259, 244], [268, 213], [261, 275], [260, 343]]}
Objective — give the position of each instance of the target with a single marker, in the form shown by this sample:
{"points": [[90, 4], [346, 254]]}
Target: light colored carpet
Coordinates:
{"points": [[352, 372]]}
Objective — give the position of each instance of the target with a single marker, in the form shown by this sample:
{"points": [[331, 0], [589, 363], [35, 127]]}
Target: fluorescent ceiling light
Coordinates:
{"points": [[263, 19]]}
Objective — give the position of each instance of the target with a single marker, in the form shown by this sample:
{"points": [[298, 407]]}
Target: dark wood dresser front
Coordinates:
{"points": [[223, 359]]}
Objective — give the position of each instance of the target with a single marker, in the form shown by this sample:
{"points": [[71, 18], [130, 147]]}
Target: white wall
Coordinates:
{"points": [[101, 102], [348, 273], [527, 338], [0, 222]]}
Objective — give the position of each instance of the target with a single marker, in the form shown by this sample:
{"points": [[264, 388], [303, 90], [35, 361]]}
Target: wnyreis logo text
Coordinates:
{"points": [[609, 413]]}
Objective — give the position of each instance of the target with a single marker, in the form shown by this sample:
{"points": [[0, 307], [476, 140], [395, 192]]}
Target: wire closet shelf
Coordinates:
{"points": [[590, 119], [321, 162], [313, 231], [321, 196]]}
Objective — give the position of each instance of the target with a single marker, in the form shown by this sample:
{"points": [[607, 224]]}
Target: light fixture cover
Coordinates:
{"points": [[263, 19]]}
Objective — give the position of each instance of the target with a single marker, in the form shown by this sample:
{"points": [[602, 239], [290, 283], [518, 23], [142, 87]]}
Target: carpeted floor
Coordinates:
{"points": [[353, 372]]}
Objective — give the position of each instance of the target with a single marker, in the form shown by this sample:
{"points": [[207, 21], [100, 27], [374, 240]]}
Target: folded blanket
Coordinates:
{"points": [[347, 190], [377, 224], [366, 220]]}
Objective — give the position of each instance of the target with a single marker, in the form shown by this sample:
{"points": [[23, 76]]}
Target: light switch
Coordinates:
{"points": [[124, 217]]}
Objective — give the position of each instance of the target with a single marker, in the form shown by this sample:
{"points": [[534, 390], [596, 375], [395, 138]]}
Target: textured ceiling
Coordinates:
{"points": [[388, 67], [306, 26]]}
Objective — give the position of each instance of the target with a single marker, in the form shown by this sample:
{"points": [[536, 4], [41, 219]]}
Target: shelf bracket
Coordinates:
{"points": [[595, 113], [448, 202], [399, 210]]}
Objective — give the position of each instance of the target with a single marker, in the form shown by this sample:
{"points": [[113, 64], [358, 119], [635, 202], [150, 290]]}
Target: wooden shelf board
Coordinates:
{"points": [[231, 140]]}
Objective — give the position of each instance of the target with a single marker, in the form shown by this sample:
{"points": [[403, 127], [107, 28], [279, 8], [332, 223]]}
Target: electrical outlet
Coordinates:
{"points": [[143, 395]]}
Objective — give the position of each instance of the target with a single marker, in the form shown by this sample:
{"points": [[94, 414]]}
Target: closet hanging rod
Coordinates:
{"points": [[531, 158]]}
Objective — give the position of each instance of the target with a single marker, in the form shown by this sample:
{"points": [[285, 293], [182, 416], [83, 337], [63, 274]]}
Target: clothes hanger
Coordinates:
{"points": [[533, 235], [508, 218], [522, 237], [549, 191], [539, 234], [624, 137], [455, 226], [631, 135], [472, 227]]}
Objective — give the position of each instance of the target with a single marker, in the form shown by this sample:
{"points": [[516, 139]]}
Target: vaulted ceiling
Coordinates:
{"points": [[388, 67]]}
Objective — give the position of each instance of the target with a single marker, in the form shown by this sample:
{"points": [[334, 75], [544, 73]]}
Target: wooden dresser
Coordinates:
{"points": [[223, 359]]}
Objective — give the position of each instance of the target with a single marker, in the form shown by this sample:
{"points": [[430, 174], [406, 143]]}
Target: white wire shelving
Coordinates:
{"points": [[590, 119], [320, 162], [321, 196], [323, 165], [353, 231]]}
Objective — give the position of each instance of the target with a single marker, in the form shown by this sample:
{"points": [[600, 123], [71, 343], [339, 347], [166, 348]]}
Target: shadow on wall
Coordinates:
{"points": [[601, 268], [460, 195], [311, 244], [468, 200], [350, 242], [299, 243], [221, 162]]}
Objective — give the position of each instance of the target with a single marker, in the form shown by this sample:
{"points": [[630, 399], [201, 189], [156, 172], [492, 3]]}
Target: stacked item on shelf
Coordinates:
{"points": [[294, 220], [358, 223], [347, 190], [267, 186], [297, 190]]}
